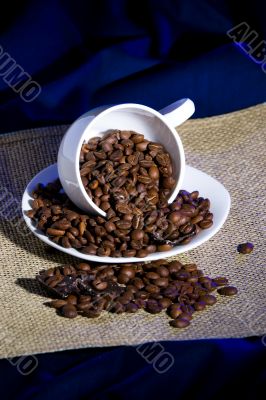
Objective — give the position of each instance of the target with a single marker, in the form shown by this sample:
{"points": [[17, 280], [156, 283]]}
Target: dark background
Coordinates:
{"points": [[88, 53]]}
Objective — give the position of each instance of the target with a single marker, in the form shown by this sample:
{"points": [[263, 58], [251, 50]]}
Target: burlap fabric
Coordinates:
{"points": [[229, 147]]}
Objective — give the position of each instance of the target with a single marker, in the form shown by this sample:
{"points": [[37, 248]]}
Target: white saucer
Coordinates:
{"points": [[193, 180]]}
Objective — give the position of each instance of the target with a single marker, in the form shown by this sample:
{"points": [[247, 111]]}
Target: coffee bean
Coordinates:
{"points": [[123, 208], [83, 267], [142, 294], [99, 285], [125, 135], [154, 172], [174, 266], [53, 281], [208, 299], [123, 278], [164, 247], [91, 249], [153, 306], [123, 300], [137, 234], [153, 146], [199, 305], [142, 253], [67, 270], [104, 205], [161, 282], [208, 216], [74, 231], [170, 292], [164, 302], [169, 182], [66, 243], [152, 289], [138, 283], [187, 228], [84, 298], [175, 311], [129, 253], [56, 210], [144, 179], [142, 146], [58, 303], [69, 311], [175, 217], [151, 248], [245, 248], [122, 224], [186, 307], [137, 138], [205, 224], [227, 291], [152, 275], [220, 281], [163, 271], [128, 271], [62, 224], [132, 307], [72, 299], [190, 267], [179, 323], [197, 219], [55, 232]]}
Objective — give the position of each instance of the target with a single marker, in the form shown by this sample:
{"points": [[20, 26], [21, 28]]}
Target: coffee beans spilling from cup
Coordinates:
{"points": [[88, 290], [124, 232], [124, 171]]}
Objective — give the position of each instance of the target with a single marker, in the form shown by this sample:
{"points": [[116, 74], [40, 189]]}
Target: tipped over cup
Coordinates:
{"points": [[155, 126]]}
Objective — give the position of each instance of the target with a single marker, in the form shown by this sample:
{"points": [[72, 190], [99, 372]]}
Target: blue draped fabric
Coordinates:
{"points": [[206, 369], [88, 53]]}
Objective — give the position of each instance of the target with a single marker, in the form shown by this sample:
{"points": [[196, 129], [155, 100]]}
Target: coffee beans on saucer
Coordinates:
{"points": [[130, 178], [124, 232], [180, 290]]}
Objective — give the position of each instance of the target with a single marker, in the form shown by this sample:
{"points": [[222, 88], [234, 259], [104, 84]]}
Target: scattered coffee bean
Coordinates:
{"points": [[186, 315], [175, 311], [58, 303], [208, 299], [179, 323], [69, 311], [227, 291], [245, 248], [89, 289], [199, 305], [220, 281]]}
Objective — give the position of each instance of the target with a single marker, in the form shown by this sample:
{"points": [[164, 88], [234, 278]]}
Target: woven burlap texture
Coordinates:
{"points": [[230, 148]]}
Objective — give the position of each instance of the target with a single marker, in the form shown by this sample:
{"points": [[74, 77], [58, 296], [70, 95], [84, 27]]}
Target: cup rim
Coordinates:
{"points": [[125, 106]]}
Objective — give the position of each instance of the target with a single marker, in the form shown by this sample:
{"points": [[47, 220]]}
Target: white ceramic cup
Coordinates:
{"points": [[155, 126]]}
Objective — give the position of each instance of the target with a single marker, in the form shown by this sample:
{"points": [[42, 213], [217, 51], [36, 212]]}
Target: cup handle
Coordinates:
{"points": [[178, 112]]}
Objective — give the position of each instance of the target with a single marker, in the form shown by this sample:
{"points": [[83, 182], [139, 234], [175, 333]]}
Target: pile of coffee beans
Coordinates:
{"points": [[89, 289], [124, 171], [122, 233]]}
